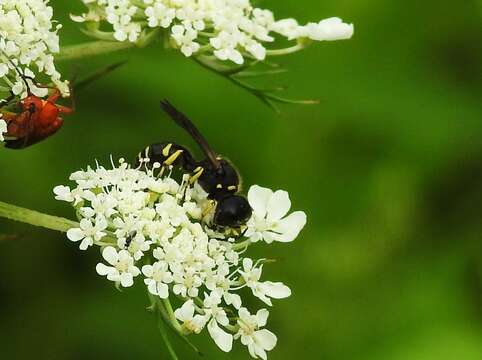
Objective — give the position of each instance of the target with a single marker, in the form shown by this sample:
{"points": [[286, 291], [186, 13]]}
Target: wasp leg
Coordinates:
{"points": [[208, 209], [171, 159], [196, 174]]}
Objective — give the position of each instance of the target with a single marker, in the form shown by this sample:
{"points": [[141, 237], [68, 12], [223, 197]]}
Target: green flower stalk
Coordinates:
{"points": [[36, 218]]}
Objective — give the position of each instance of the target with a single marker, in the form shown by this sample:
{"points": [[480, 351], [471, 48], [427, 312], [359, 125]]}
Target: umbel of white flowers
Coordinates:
{"points": [[228, 29], [28, 42], [153, 227]]}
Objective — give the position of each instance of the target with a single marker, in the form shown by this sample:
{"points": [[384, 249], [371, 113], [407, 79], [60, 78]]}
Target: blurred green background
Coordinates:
{"points": [[388, 168]]}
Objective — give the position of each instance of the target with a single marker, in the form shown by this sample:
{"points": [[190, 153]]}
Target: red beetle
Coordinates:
{"points": [[38, 119]]}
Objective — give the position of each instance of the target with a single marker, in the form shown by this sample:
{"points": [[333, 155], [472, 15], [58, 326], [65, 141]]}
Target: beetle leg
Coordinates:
{"points": [[54, 96], [65, 109]]}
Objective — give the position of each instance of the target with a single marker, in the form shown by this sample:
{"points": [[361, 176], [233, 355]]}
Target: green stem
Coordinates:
{"points": [[100, 47], [241, 245], [170, 313], [290, 50], [36, 218], [93, 48], [167, 315], [163, 331]]}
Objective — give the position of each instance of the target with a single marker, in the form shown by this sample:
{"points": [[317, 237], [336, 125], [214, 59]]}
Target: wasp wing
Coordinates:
{"points": [[182, 120]]}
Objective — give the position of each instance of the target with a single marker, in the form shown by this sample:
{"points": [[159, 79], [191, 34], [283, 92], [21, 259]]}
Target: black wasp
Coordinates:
{"points": [[217, 176]]}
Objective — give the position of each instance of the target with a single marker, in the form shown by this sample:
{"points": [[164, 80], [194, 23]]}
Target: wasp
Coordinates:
{"points": [[216, 175]]}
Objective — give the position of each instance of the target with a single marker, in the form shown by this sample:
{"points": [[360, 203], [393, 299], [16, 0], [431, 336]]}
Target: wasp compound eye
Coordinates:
{"points": [[232, 211]]}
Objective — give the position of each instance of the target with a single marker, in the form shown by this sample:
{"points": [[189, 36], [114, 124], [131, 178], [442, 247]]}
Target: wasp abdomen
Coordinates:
{"points": [[167, 154]]}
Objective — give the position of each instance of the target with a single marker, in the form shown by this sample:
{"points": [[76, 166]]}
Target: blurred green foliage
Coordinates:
{"points": [[388, 168]]}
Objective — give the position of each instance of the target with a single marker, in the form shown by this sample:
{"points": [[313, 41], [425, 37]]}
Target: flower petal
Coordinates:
{"points": [[266, 339], [75, 234], [151, 286], [262, 317], [84, 245], [185, 312], [103, 269], [126, 279], [147, 270], [162, 290], [278, 205], [110, 255], [276, 290], [290, 226], [247, 264], [222, 339], [258, 198]]}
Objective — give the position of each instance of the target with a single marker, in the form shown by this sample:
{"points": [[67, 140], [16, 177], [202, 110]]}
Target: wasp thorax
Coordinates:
{"points": [[221, 181]]}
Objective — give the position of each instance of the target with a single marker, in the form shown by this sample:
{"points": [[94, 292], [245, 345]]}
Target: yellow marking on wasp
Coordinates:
{"points": [[166, 150], [170, 160], [219, 186], [232, 187], [197, 174]]}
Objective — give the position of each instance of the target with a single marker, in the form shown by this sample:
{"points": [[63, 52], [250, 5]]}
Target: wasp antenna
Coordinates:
{"points": [[180, 119]]}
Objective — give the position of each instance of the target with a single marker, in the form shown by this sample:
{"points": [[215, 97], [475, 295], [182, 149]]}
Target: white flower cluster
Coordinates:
{"points": [[28, 42], [152, 227], [230, 29], [3, 128]]}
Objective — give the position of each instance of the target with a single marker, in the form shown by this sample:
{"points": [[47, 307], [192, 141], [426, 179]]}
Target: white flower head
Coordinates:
{"points": [[329, 30], [257, 340], [121, 270], [231, 30], [218, 318], [28, 43], [268, 222], [157, 278], [184, 37], [191, 322], [63, 193], [90, 231], [153, 227], [288, 28], [262, 290]]}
